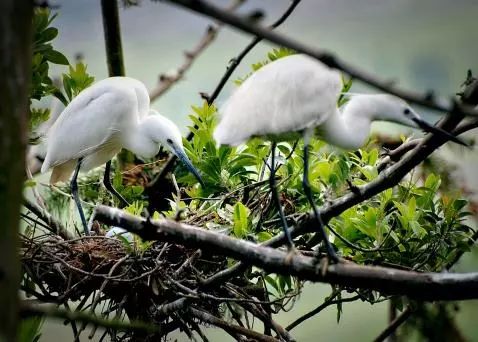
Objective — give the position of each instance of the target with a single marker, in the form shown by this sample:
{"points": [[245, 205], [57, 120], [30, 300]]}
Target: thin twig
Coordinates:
{"points": [[31, 310], [55, 226], [213, 320], [330, 301], [238, 59], [166, 81], [399, 320]]}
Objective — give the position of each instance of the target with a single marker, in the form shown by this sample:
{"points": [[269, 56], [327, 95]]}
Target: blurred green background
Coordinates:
{"points": [[427, 44]]}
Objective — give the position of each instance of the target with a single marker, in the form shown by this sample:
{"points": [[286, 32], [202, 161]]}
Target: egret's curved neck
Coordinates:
{"points": [[138, 140], [348, 128]]}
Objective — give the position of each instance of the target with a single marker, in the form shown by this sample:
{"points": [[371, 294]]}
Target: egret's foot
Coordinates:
{"points": [[292, 251], [355, 189], [322, 263]]}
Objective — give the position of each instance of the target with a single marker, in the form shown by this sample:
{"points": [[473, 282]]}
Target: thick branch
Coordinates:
{"points": [[327, 58], [423, 286]]}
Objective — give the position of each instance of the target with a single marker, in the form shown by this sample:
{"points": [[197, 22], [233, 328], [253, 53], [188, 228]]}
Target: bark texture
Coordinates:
{"points": [[15, 60]]}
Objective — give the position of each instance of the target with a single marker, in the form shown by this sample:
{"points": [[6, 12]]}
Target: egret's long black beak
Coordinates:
{"points": [[185, 160], [437, 130]]}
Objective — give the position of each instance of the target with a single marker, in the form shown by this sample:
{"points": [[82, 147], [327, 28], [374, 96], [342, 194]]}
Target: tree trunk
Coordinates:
{"points": [[15, 60], [114, 53]]}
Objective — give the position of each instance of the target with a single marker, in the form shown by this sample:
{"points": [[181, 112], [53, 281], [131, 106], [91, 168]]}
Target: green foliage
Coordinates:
{"points": [[44, 54], [131, 193], [76, 80], [241, 222], [221, 167], [37, 116], [30, 329]]}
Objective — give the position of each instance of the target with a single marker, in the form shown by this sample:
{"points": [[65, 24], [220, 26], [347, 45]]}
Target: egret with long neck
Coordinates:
{"points": [[104, 118], [297, 96]]}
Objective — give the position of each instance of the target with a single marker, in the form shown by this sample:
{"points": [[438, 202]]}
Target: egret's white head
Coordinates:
{"points": [[165, 132], [385, 107]]}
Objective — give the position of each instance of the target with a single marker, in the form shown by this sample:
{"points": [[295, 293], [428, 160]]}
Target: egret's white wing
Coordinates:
{"points": [[286, 95], [139, 88], [92, 121]]}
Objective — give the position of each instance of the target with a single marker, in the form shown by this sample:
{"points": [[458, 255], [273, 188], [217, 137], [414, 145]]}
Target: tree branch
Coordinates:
{"points": [[238, 59], [111, 26], [166, 81], [317, 310], [213, 320], [422, 286], [55, 226], [394, 324], [327, 58], [30, 310]]}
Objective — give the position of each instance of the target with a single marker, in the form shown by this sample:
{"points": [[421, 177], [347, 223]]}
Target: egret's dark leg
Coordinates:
{"points": [[109, 186], [275, 198], [74, 193], [308, 193]]}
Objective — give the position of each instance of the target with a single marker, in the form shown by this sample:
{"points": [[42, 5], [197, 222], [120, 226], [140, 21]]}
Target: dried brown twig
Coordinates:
{"points": [[167, 80]]}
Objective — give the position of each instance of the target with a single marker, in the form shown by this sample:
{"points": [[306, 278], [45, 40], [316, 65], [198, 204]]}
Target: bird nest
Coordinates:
{"points": [[137, 279]]}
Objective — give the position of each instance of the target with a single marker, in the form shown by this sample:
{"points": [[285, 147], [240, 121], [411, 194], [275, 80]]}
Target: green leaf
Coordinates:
{"points": [[30, 329], [263, 236], [49, 34], [240, 220], [56, 57]]}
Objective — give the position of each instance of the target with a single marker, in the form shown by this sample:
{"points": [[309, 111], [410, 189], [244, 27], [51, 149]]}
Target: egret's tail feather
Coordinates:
{"points": [[62, 172]]}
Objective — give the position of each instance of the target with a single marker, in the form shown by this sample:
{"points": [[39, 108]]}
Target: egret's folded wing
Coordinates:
{"points": [[89, 122], [287, 95]]}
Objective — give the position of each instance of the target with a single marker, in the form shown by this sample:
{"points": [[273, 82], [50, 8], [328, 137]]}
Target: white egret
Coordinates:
{"points": [[297, 96], [104, 118], [36, 153]]}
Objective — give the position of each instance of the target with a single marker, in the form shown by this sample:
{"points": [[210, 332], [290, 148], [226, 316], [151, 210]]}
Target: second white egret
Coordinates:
{"points": [[297, 96]]}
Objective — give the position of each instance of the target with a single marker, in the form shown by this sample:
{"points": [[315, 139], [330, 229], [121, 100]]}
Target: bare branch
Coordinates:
{"points": [[55, 226], [317, 310], [213, 320], [327, 58], [166, 81], [395, 324], [238, 59], [50, 310], [423, 286]]}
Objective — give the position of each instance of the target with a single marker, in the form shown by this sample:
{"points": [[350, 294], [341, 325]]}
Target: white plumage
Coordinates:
{"points": [[106, 117], [287, 95], [297, 95]]}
